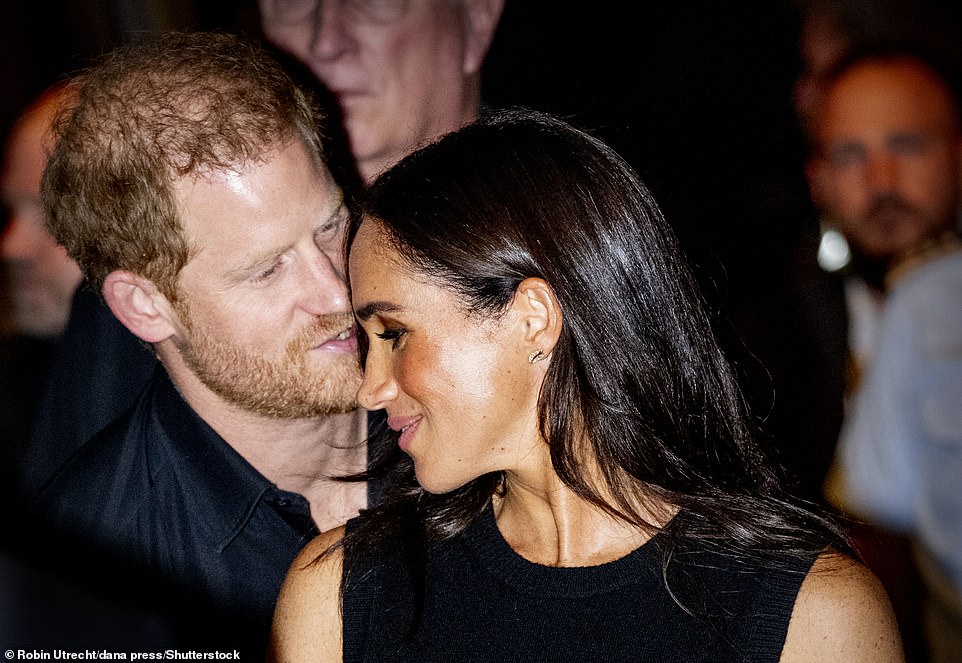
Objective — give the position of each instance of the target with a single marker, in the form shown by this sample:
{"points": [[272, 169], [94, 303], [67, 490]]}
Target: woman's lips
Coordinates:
{"points": [[407, 426]]}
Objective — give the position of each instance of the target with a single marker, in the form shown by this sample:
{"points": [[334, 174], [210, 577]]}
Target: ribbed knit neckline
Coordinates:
{"points": [[485, 543]]}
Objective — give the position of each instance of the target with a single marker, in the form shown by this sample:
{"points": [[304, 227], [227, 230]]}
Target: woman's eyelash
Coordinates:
{"points": [[394, 335]]}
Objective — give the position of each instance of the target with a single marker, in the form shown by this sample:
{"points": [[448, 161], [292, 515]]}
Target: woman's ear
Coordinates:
{"points": [[140, 307], [540, 316]]}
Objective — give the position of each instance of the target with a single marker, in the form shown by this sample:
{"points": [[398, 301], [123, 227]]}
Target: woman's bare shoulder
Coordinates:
{"points": [[307, 619], [842, 613]]}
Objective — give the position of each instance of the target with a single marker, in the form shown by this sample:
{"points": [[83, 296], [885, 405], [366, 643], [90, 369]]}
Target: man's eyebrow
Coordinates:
{"points": [[367, 311], [255, 261], [336, 214]]}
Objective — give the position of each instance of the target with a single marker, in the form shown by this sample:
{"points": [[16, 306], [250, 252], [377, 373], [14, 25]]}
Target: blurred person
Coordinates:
{"points": [[826, 32], [572, 471], [37, 606], [812, 333], [189, 183], [901, 447], [40, 280], [403, 71], [43, 277], [887, 174], [842, 291], [884, 171], [831, 28]]}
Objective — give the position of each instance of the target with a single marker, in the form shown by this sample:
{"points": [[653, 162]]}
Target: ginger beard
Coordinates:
{"points": [[301, 382]]}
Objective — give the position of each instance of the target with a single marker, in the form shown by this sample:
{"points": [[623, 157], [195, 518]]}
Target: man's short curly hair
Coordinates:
{"points": [[185, 104]]}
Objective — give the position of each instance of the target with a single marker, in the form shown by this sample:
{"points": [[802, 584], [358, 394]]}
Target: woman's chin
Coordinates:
{"points": [[437, 485]]}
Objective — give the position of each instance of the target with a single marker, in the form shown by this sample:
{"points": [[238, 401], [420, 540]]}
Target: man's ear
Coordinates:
{"points": [[539, 315], [481, 17], [139, 305]]}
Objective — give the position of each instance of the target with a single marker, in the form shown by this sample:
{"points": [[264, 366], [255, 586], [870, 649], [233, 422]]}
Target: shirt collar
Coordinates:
{"points": [[214, 473]]}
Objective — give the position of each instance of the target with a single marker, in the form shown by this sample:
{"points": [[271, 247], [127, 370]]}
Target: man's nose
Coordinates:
{"points": [[20, 239], [882, 173], [331, 36], [325, 288]]}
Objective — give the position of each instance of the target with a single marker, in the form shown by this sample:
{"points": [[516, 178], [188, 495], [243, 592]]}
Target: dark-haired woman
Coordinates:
{"points": [[572, 476]]}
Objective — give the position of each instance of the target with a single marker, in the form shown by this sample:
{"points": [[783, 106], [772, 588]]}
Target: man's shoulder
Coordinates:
{"points": [[926, 306], [932, 283], [108, 480]]}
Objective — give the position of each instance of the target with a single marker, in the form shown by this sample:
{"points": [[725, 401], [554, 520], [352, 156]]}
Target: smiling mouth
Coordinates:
{"points": [[346, 334], [345, 341], [406, 427]]}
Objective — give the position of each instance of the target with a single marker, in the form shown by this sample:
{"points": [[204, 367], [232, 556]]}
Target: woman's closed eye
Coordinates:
{"points": [[393, 335]]}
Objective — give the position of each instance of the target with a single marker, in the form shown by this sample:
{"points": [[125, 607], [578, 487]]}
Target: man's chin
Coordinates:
{"points": [[38, 323], [297, 395], [298, 409], [887, 248]]}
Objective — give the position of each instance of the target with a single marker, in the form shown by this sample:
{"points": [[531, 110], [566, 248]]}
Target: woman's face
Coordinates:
{"points": [[459, 388]]}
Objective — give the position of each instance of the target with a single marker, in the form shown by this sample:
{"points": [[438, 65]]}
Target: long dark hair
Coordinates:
{"points": [[521, 194]]}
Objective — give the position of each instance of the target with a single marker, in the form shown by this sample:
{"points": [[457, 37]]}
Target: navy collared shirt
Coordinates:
{"points": [[160, 492]]}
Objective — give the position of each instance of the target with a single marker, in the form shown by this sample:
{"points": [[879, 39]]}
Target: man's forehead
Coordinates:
{"points": [[888, 97], [901, 82], [286, 187]]}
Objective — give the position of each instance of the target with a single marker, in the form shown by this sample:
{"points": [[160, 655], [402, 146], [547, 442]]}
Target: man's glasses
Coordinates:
{"points": [[289, 12]]}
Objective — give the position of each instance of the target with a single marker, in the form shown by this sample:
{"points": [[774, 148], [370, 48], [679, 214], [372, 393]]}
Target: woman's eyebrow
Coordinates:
{"points": [[373, 308]]}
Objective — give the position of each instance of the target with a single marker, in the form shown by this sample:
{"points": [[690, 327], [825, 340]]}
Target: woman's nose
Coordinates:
{"points": [[378, 387]]}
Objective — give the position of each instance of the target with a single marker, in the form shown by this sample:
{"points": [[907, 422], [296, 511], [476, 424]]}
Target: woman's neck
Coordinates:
{"points": [[546, 522]]}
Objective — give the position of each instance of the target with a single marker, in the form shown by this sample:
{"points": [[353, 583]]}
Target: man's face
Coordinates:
{"points": [[888, 172], [397, 67], [42, 276], [265, 318]]}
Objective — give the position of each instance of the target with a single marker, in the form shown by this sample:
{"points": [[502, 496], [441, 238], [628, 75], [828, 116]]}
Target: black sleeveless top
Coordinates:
{"points": [[481, 601]]}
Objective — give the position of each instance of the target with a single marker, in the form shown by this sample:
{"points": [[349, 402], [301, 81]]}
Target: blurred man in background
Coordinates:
{"points": [[887, 175], [404, 72], [884, 171], [41, 279]]}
